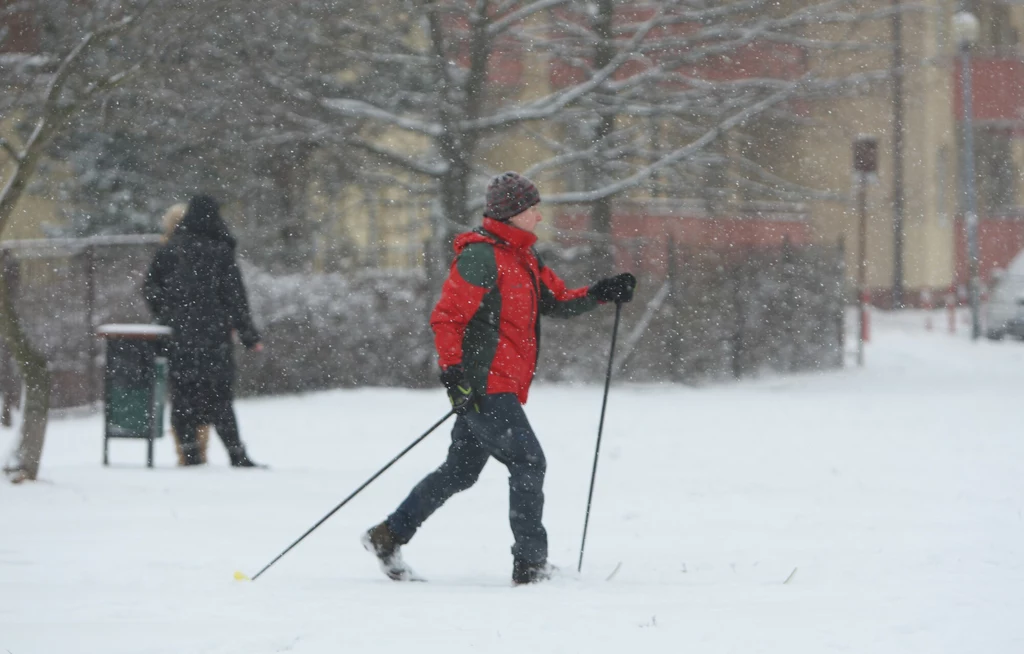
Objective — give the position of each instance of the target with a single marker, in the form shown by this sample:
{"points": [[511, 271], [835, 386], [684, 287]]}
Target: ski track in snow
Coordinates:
{"points": [[895, 492]]}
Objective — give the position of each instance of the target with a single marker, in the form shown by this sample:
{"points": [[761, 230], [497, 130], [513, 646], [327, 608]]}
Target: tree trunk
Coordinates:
{"points": [[290, 179], [23, 463], [436, 260], [601, 210], [455, 145], [601, 223]]}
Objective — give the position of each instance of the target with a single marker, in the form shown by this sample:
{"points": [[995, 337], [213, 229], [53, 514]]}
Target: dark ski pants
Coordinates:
{"points": [[500, 430]]}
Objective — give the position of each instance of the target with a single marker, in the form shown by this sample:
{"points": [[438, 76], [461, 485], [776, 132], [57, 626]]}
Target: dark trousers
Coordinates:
{"points": [[500, 430], [203, 403]]}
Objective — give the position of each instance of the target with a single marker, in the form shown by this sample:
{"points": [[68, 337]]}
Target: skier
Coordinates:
{"points": [[487, 331]]}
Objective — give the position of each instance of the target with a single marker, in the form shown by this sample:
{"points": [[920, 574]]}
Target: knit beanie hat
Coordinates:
{"points": [[510, 194]]}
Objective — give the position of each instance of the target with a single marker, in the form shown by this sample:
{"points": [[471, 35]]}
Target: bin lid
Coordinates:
{"points": [[141, 331]]}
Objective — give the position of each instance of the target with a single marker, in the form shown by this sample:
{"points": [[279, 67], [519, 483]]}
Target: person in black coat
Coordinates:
{"points": [[194, 287]]}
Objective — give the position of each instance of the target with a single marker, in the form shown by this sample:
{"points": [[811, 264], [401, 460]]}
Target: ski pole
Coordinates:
{"points": [[242, 577], [600, 427]]}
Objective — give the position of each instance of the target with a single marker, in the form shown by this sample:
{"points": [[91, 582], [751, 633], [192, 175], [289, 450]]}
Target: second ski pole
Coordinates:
{"points": [[241, 576]]}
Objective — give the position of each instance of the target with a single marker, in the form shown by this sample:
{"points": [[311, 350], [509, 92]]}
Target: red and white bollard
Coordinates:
{"points": [[928, 306], [951, 311], [864, 334], [865, 319]]}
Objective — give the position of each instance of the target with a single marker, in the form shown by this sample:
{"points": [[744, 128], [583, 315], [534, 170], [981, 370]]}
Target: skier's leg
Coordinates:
{"points": [[502, 427], [460, 470], [527, 468]]}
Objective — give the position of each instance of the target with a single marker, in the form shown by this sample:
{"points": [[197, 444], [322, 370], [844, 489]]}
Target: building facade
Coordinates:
{"points": [[918, 211], [932, 184]]}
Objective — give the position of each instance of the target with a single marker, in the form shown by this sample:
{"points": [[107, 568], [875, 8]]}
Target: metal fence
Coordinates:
{"points": [[714, 315], [64, 289]]}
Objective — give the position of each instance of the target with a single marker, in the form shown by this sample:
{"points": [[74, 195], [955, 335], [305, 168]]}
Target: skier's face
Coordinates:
{"points": [[527, 220]]}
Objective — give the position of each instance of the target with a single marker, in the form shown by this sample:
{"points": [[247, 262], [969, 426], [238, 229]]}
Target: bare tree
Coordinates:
{"points": [[439, 68], [699, 72], [427, 80], [216, 112], [250, 100], [42, 92]]}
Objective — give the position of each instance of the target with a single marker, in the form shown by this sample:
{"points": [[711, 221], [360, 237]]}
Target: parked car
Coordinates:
{"points": [[1004, 314]]}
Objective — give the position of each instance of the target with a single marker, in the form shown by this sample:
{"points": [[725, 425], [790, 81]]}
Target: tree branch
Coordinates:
{"points": [[11, 150], [111, 82], [52, 113], [521, 14], [550, 105], [360, 109], [399, 159], [709, 137]]}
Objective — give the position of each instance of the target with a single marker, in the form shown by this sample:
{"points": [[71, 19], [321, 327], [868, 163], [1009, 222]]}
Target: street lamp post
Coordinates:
{"points": [[865, 164], [965, 30], [898, 192]]}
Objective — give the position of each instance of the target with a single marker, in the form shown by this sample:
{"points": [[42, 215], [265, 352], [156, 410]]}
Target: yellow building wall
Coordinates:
{"points": [[930, 141], [930, 150]]}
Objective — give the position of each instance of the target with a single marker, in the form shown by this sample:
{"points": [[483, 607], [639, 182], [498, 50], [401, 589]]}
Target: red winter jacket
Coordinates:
{"points": [[488, 317]]}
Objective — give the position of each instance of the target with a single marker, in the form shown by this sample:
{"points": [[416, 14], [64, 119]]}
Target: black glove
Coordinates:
{"points": [[461, 394], [614, 289]]}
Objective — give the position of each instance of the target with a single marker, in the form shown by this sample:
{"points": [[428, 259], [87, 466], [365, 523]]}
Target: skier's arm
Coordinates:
{"points": [[558, 301], [471, 277]]}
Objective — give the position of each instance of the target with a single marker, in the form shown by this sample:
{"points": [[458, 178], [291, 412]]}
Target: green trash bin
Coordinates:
{"points": [[134, 384]]}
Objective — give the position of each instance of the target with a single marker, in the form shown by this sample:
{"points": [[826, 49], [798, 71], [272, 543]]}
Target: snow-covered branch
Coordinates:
{"points": [[54, 110], [549, 106], [521, 14], [360, 109], [399, 159], [613, 97], [12, 152], [772, 184], [709, 137]]}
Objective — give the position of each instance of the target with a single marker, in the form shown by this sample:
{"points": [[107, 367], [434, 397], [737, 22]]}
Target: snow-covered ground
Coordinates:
{"points": [[895, 492]]}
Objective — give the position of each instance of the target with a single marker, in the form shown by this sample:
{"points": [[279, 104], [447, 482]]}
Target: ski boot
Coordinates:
{"points": [[380, 542], [531, 573]]}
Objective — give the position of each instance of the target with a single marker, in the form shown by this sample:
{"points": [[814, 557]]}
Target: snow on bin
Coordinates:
{"points": [[134, 384]]}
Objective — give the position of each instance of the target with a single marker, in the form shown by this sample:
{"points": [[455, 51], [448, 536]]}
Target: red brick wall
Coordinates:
{"points": [[997, 88], [643, 240], [756, 59], [1000, 238]]}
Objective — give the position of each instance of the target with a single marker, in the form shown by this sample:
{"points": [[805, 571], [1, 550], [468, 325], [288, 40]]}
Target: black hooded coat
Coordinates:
{"points": [[194, 287]]}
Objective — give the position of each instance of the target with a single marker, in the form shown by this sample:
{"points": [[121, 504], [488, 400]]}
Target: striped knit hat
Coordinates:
{"points": [[510, 194]]}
